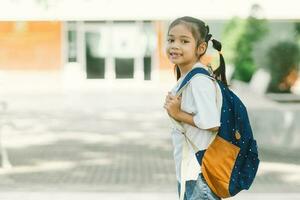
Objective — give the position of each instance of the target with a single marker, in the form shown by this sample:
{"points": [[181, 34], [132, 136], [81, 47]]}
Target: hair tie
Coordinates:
{"points": [[208, 37]]}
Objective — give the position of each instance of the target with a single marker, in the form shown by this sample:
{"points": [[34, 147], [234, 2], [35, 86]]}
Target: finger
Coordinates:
{"points": [[175, 100], [171, 97], [166, 107]]}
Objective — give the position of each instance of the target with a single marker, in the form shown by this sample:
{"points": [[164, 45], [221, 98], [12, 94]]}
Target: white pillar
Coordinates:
{"points": [[139, 68], [139, 60], [81, 45], [110, 72]]}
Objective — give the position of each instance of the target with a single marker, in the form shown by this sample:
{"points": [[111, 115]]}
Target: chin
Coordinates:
{"points": [[176, 62]]}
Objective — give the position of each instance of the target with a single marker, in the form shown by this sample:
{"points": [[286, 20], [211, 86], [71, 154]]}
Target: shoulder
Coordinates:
{"points": [[202, 82]]}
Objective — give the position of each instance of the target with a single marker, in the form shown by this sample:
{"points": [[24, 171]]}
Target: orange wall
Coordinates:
{"points": [[30, 45], [164, 63]]}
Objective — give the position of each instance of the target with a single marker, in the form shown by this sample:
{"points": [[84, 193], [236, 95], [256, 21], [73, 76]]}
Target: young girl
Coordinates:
{"points": [[197, 108]]}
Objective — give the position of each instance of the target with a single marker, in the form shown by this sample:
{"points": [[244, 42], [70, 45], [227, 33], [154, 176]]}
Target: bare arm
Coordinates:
{"points": [[188, 118], [172, 105]]}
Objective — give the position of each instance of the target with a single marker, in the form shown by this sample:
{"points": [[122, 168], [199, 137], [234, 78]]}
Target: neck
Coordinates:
{"points": [[186, 68]]}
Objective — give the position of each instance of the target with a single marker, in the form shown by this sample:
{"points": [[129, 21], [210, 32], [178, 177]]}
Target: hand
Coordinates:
{"points": [[172, 105]]}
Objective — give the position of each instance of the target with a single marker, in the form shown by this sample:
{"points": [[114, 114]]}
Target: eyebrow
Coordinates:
{"points": [[182, 36]]}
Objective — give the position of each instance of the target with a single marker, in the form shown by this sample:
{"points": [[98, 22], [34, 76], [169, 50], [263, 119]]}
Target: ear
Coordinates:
{"points": [[202, 48]]}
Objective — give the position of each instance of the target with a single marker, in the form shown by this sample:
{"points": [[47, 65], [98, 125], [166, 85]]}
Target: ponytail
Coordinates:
{"points": [[220, 72]]}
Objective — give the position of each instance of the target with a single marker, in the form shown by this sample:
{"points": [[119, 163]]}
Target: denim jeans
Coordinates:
{"points": [[198, 190]]}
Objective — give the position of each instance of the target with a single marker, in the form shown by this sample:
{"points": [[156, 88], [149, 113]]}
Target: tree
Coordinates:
{"points": [[240, 35], [283, 64], [243, 61]]}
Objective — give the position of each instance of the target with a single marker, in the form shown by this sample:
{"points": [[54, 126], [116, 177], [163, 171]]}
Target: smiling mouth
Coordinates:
{"points": [[175, 55]]}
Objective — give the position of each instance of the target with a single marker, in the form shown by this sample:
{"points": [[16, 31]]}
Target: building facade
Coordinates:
{"points": [[101, 49]]}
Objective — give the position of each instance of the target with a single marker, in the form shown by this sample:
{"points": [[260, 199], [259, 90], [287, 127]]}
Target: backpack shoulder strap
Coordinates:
{"points": [[190, 75]]}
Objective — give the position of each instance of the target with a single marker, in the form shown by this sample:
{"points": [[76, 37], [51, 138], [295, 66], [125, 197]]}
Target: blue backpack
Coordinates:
{"points": [[230, 163]]}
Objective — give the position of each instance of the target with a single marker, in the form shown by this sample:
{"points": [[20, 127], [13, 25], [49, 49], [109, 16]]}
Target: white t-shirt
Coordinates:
{"points": [[198, 99]]}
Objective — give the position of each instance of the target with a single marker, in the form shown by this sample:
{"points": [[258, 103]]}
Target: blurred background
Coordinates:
{"points": [[83, 82]]}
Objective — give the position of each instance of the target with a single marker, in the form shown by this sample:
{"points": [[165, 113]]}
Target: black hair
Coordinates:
{"points": [[200, 32]]}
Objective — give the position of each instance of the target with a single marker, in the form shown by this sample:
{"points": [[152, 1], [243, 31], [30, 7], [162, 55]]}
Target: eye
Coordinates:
{"points": [[170, 40], [185, 41]]}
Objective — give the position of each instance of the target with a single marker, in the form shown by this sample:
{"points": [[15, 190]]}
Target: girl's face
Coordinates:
{"points": [[181, 46]]}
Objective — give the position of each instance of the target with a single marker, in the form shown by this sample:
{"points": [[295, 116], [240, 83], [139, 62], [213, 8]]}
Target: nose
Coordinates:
{"points": [[174, 46]]}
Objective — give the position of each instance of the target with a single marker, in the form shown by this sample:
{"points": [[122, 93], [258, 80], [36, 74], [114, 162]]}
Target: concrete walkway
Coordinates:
{"points": [[129, 196], [108, 142]]}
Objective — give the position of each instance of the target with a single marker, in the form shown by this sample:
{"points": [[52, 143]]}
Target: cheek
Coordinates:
{"points": [[167, 53], [191, 52], [167, 48], [191, 49]]}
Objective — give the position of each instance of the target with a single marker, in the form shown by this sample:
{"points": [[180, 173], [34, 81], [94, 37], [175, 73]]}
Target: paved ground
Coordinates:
{"points": [[107, 143], [129, 196]]}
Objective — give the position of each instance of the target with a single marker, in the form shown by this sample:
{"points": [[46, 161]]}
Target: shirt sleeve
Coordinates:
{"points": [[204, 93]]}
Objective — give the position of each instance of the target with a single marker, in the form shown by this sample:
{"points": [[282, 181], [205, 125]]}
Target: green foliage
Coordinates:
{"points": [[297, 29], [240, 36], [232, 31], [297, 32], [282, 59]]}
